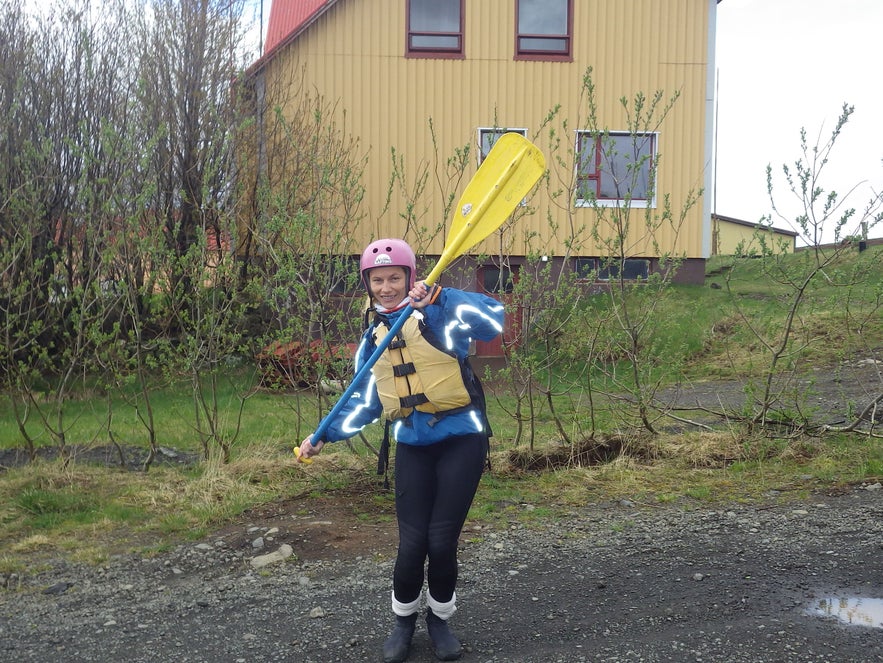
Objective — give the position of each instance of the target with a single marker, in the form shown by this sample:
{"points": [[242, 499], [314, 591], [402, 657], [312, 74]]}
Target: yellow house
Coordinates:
{"points": [[734, 236], [421, 83]]}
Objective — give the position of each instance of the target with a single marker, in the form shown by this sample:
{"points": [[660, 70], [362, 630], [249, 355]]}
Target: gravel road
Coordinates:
{"points": [[781, 580]]}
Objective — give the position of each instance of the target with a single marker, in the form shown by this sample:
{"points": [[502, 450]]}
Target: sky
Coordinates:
{"points": [[783, 65], [253, 12]]}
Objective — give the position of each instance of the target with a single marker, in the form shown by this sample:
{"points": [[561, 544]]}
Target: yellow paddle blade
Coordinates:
{"points": [[508, 173]]}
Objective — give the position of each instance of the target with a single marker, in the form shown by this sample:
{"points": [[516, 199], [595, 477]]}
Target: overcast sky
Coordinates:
{"points": [[787, 64]]}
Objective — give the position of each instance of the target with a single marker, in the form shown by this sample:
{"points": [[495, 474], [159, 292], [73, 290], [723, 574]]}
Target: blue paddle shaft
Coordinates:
{"points": [[347, 394]]}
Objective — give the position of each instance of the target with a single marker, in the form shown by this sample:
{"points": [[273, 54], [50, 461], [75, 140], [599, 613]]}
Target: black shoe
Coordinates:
{"points": [[398, 644], [444, 643]]}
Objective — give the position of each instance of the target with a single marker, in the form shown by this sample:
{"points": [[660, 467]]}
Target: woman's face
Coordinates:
{"points": [[389, 285]]}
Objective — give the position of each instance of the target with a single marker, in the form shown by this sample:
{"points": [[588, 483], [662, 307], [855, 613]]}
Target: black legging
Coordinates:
{"points": [[434, 488]]}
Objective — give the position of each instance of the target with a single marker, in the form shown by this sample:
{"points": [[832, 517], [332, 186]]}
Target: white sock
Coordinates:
{"points": [[405, 609], [442, 610]]}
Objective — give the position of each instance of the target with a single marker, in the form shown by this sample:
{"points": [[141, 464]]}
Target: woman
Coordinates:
{"points": [[425, 387]]}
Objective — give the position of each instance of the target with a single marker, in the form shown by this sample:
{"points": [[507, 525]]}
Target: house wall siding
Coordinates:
{"points": [[354, 55], [732, 239]]}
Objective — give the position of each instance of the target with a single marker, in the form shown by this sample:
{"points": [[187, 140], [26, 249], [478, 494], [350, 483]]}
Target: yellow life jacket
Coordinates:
{"points": [[414, 374]]}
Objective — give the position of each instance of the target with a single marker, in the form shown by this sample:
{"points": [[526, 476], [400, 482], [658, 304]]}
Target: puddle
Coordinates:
{"points": [[852, 610]]}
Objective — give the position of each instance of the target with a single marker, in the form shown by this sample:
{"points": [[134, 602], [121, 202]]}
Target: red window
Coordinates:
{"points": [[544, 29], [435, 28]]}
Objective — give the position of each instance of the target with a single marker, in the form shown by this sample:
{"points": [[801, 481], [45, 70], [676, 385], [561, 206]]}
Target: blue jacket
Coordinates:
{"points": [[457, 316]]}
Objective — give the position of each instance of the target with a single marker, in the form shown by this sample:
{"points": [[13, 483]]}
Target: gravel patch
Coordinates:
{"points": [[614, 581]]}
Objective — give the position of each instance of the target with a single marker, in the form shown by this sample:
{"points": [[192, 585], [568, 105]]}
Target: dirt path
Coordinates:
{"points": [[828, 395], [609, 582]]}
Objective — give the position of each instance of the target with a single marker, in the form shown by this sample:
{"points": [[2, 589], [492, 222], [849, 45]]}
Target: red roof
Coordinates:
{"points": [[288, 18]]}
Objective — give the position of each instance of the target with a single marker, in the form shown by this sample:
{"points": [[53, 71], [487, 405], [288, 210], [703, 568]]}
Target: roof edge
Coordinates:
{"points": [[261, 62], [749, 224]]}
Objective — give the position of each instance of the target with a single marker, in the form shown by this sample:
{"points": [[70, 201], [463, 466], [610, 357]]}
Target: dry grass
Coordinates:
{"points": [[698, 450]]}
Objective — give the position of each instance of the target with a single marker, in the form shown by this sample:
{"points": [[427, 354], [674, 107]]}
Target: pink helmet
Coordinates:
{"points": [[388, 253]]}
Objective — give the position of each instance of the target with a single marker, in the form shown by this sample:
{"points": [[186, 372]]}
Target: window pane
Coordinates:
{"points": [[625, 166], [549, 45], [495, 280], [636, 269], [435, 16], [542, 17], [489, 138], [343, 275], [586, 155], [631, 268], [435, 41], [584, 268]]}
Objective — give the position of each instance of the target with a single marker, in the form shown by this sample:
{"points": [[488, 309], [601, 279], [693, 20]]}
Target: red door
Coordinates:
{"points": [[497, 282]]}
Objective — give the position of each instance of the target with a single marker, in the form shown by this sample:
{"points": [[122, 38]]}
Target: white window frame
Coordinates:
{"points": [[597, 173]]}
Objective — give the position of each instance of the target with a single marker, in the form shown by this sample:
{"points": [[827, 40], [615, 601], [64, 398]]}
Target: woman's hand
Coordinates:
{"points": [[422, 296], [306, 450]]}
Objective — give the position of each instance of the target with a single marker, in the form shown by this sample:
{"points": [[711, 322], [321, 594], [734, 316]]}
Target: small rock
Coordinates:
{"points": [[317, 613], [281, 554], [58, 588]]}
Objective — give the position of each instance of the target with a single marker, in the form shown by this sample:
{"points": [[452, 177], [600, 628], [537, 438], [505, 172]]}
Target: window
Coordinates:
{"points": [[487, 137], [543, 29], [615, 167], [632, 269], [497, 280], [345, 277], [435, 28], [585, 268]]}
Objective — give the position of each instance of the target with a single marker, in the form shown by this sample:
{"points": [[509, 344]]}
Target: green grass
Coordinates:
{"points": [[269, 416]]}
